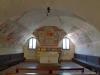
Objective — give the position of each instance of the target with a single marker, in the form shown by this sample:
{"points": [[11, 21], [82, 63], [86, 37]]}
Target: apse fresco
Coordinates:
{"points": [[49, 36]]}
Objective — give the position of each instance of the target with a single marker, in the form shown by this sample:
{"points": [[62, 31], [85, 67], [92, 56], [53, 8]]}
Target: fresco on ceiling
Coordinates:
{"points": [[10, 33], [49, 36]]}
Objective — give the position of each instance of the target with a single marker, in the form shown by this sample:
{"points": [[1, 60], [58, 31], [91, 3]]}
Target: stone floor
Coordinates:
{"points": [[68, 64]]}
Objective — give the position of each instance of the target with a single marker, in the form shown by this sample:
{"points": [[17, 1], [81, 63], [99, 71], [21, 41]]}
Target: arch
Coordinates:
{"points": [[49, 36]]}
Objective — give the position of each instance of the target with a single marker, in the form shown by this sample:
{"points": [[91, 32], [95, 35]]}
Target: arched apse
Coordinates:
{"points": [[49, 36], [49, 40]]}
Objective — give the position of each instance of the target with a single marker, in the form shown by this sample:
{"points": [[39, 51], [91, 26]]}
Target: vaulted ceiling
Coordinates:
{"points": [[78, 18], [88, 9]]}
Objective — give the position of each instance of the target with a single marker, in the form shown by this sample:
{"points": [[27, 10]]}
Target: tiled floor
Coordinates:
{"points": [[31, 64]]}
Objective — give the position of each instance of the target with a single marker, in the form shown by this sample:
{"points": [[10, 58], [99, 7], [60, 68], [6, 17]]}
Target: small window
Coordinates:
{"points": [[32, 43], [65, 43]]}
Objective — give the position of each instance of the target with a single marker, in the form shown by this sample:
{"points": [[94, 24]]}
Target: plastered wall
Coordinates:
{"points": [[68, 54], [29, 54]]}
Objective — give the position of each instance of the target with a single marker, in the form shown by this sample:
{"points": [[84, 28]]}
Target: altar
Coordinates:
{"points": [[48, 57]]}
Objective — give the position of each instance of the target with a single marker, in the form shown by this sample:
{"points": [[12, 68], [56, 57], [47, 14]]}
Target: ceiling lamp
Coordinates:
{"points": [[48, 10]]}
